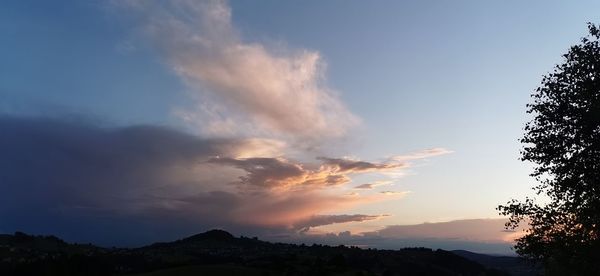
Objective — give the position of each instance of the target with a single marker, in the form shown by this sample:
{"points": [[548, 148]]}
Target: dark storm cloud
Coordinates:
{"points": [[58, 173], [137, 184]]}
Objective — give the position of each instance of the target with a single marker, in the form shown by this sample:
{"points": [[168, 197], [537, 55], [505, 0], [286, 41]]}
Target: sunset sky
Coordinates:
{"points": [[376, 123]]}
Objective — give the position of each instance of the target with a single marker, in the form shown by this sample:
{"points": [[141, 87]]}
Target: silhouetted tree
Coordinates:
{"points": [[563, 140]]}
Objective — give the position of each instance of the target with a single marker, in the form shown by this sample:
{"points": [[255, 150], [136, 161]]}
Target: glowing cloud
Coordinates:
{"points": [[59, 170], [343, 165], [282, 173], [243, 87]]}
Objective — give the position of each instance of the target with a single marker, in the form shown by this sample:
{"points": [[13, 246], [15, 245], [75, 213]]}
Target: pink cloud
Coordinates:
{"points": [[242, 87]]}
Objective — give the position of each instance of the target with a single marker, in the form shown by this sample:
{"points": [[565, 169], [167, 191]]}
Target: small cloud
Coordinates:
{"points": [[344, 234], [368, 186], [395, 192], [422, 154], [320, 220], [343, 165]]}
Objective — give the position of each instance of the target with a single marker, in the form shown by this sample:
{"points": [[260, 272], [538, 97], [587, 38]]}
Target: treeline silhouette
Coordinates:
{"points": [[217, 252]]}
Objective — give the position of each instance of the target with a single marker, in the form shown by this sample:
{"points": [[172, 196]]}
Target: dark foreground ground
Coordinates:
{"points": [[219, 253]]}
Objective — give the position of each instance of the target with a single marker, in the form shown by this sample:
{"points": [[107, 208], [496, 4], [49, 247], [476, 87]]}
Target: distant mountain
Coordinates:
{"points": [[217, 252], [514, 265]]}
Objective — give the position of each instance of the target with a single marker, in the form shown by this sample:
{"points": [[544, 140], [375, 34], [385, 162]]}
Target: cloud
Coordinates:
{"points": [[287, 209], [421, 154], [67, 177], [368, 186], [242, 86], [282, 173], [260, 147], [479, 230], [267, 172], [320, 220], [478, 235], [395, 192], [56, 165], [343, 165]]}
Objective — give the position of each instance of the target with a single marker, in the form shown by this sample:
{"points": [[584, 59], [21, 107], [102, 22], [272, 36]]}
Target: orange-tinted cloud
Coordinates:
{"points": [[289, 210], [146, 172], [348, 166], [283, 173], [61, 170]]}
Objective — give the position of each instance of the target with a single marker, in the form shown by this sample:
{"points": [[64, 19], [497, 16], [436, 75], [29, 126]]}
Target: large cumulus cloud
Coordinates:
{"points": [[243, 87], [90, 182], [74, 178]]}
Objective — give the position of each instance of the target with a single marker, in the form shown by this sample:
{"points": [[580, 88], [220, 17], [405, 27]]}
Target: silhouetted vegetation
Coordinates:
{"points": [[219, 253], [513, 265], [563, 140]]}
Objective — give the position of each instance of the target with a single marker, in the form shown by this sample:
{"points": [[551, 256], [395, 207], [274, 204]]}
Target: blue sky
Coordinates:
{"points": [[451, 75]]}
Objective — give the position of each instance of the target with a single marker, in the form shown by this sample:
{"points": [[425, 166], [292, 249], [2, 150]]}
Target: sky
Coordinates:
{"points": [[380, 123]]}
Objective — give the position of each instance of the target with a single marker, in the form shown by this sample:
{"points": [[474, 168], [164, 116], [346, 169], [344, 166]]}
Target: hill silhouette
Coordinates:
{"points": [[215, 234], [514, 265], [217, 252]]}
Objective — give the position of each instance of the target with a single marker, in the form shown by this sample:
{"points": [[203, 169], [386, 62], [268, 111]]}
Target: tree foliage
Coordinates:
{"points": [[563, 141]]}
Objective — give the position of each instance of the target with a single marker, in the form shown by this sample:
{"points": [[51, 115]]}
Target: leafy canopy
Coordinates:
{"points": [[563, 141]]}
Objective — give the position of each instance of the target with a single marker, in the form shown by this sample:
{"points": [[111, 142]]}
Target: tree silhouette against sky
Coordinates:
{"points": [[563, 141]]}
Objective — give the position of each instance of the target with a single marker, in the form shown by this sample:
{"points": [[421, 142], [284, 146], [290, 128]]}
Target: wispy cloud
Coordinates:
{"points": [[372, 185], [395, 192], [320, 220], [345, 165], [243, 86], [422, 154]]}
